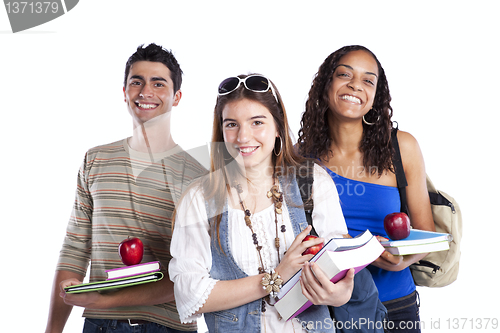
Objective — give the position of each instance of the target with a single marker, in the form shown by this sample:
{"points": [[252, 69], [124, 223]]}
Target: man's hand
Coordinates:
{"points": [[89, 300]]}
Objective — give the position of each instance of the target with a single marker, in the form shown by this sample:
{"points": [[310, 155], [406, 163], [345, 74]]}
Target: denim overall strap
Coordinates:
{"points": [[245, 318]]}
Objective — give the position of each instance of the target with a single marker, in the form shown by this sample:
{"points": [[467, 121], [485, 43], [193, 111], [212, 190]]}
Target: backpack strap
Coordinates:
{"points": [[305, 179], [397, 163]]}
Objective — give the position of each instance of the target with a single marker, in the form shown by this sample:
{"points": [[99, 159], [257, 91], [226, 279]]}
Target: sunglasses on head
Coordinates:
{"points": [[256, 83]]}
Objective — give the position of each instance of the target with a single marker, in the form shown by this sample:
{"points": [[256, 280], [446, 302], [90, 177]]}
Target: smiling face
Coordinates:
{"points": [[354, 85], [250, 131], [149, 91]]}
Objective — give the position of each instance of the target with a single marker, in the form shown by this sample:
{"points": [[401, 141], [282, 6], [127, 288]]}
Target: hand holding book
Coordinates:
{"points": [[90, 300], [118, 278], [318, 288], [400, 254], [335, 260]]}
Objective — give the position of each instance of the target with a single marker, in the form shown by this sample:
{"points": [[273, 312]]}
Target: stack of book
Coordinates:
{"points": [[334, 259], [419, 241], [122, 277]]}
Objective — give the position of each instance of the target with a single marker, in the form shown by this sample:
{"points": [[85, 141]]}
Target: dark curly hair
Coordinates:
{"points": [[314, 135]]}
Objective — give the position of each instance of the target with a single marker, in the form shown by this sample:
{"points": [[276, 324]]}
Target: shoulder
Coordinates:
{"points": [[106, 151], [410, 150], [407, 141], [113, 147]]}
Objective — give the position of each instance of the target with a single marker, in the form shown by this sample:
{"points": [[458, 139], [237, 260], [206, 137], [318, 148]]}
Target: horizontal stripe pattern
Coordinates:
{"points": [[121, 194]]}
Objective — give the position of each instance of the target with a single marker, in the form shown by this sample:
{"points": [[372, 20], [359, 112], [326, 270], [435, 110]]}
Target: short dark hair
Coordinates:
{"points": [[156, 53]]}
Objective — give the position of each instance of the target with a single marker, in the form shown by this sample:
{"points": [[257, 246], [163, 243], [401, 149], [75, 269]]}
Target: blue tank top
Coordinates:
{"points": [[364, 206]]}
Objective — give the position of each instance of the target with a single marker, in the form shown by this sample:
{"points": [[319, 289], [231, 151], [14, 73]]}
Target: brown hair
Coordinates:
{"points": [[286, 163]]}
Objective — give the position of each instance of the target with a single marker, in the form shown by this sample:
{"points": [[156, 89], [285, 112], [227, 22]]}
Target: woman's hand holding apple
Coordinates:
{"points": [[314, 248], [293, 260]]}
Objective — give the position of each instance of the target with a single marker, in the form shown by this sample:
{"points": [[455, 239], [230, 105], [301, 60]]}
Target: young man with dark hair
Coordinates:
{"points": [[128, 188]]}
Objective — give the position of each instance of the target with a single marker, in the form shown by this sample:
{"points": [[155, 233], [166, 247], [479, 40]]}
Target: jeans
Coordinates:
{"points": [[403, 314], [113, 326]]}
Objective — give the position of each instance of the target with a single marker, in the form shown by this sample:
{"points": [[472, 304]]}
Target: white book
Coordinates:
{"points": [[334, 244]]}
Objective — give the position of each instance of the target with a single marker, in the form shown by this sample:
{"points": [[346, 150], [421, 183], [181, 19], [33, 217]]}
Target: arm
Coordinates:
{"points": [[191, 262], [417, 194], [233, 293], [418, 201], [75, 254], [195, 290], [59, 311], [146, 294], [78, 238]]}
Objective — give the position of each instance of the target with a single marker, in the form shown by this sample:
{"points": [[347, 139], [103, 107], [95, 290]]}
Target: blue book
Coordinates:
{"points": [[419, 237], [419, 241]]}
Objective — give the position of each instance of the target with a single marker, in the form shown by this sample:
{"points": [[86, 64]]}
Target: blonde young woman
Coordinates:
{"points": [[246, 220]]}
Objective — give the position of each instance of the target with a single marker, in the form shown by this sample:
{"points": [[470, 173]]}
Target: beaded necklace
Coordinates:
{"points": [[277, 198]]}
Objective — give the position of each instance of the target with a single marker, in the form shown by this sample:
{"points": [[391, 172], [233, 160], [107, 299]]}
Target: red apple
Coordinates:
{"points": [[131, 251], [313, 249], [397, 225]]}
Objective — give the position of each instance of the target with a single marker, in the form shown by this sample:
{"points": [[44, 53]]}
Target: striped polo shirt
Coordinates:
{"points": [[122, 193]]}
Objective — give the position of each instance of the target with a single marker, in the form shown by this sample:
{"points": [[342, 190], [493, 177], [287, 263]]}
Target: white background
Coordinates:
{"points": [[61, 93]]}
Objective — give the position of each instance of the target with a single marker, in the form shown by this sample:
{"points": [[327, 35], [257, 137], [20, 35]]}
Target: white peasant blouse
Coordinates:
{"points": [[190, 266]]}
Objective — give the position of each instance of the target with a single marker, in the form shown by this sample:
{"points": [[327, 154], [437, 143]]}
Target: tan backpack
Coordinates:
{"points": [[439, 269]]}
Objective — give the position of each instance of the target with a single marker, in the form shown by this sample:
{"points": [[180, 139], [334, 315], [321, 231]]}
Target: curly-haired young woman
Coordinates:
{"points": [[347, 125]]}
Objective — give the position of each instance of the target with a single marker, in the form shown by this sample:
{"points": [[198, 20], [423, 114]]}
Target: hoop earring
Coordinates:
{"points": [[281, 147], [371, 124]]}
